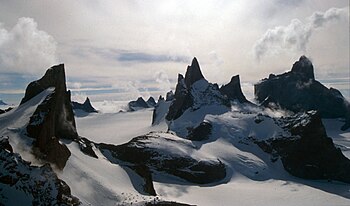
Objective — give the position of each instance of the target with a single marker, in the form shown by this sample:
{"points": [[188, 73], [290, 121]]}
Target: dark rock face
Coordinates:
{"points": [[151, 102], [39, 184], [140, 103], [309, 153], [169, 96], [298, 91], [53, 119], [194, 91], [86, 146], [139, 151], [86, 106], [200, 133], [233, 90], [193, 73], [144, 172], [182, 100], [5, 110], [304, 67]]}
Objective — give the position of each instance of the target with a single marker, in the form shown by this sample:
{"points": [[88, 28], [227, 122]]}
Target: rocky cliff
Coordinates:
{"points": [[53, 119], [298, 91]]}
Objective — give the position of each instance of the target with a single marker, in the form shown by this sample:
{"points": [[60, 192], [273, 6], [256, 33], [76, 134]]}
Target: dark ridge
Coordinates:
{"points": [[193, 73]]}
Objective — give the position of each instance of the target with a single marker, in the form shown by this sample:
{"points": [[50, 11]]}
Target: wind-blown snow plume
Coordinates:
{"points": [[296, 35], [25, 48]]}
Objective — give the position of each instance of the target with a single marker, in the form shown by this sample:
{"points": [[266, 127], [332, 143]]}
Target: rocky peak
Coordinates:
{"points": [[233, 90], [54, 77], [53, 119], [151, 102], [169, 96], [193, 73], [304, 67], [140, 103], [86, 106], [298, 91], [194, 92]]}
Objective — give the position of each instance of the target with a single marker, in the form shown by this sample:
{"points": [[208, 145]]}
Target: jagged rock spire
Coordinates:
{"points": [[233, 90], [54, 77], [53, 119], [304, 66], [193, 73]]}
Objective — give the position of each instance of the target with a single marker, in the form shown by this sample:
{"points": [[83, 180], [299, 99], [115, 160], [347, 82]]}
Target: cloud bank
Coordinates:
{"points": [[26, 49], [296, 35]]}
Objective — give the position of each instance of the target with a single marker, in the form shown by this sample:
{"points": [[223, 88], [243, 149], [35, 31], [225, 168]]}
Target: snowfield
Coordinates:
{"points": [[252, 178]]}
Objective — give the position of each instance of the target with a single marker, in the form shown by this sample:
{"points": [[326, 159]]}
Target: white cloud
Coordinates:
{"points": [[163, 81], [25, 48], [296, 35]]}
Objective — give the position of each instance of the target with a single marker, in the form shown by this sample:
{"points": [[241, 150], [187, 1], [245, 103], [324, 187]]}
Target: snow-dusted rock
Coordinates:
{"points": [[53, 119], [164, 152], [23, 184], [194, 92], [308, 152], [298, 91]]}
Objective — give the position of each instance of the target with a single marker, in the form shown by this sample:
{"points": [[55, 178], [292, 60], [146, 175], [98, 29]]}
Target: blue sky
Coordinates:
{"points": [[121, 49]]}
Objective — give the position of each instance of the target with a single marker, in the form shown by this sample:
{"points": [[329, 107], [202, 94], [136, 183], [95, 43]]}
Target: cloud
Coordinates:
{"points": [[296, 35], [149, 58], [163, 81], [25, 48]]}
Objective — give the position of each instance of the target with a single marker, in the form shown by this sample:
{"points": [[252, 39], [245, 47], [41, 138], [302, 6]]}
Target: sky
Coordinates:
{"points": [[119, 50]]}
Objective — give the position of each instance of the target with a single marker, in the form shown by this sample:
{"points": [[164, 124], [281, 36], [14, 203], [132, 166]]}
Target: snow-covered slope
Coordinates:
{"points": [[12, 125]]}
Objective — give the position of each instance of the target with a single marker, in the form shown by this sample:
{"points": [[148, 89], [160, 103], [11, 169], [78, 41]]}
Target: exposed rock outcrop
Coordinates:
{"points": [[308, 153], [233, 90], [193, 73], [140, 103], [298, 91], [169, 96], [53, 119], [201, 132], [32, 185], [193, 92], [151, 102], [153, 152], [86, 106], [2, 111]]}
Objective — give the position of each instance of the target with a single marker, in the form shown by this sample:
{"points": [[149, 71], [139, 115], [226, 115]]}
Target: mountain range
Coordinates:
{"points": [[203, 138]]}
